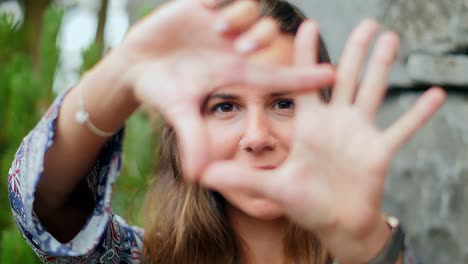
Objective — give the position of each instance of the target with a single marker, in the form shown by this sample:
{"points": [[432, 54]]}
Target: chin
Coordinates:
{"points": [[253, 206], [264, 209]]}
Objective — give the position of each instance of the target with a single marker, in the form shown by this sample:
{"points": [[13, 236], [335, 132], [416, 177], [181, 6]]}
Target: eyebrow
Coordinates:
{"points": [[225, 96], [279, 94]]}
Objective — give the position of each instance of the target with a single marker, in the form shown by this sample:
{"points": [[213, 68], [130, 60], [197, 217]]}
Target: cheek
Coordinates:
{"points": [[224, 138]]}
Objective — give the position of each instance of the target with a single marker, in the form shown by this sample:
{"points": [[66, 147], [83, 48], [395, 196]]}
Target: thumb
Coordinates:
{"points": [[229, 175], [192, 139]]}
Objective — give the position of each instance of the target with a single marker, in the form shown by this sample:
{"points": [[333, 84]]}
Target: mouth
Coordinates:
{"points": [[266, 167]]}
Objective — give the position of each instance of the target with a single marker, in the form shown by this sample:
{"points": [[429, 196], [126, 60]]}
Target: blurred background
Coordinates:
{"points": [[46, 45]]}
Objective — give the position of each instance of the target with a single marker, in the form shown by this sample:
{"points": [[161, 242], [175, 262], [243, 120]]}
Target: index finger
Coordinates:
{"points": [[311, 78]]}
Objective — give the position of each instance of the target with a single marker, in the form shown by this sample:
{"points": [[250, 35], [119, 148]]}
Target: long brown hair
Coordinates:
{"points": [[185, 223]]}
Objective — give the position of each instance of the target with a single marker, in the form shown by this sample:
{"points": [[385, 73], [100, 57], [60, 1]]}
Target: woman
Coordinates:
{"points": [[291, 179]]}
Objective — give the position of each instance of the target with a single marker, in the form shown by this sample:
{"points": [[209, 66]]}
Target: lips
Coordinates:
{"points": [[266, 167]]}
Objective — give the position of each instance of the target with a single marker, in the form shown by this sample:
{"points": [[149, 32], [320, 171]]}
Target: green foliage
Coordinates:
{"points": [[49, 51], [14, 249], [130, 189], [146, 11], [25, 94], [12, 38]]}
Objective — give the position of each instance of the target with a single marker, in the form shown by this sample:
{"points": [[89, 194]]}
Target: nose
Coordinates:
{"points": [[258, 135]]}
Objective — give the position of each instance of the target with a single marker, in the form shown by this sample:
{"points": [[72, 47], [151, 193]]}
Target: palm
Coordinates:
{"points": [[339, 158], [339, 162], [181, 54]]}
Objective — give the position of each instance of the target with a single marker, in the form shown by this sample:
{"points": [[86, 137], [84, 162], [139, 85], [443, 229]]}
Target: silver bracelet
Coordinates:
{"points": [[82, 117]]}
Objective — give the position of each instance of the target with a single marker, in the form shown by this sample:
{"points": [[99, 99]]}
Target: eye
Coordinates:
{"points": [[284, 104], [224, 108]]}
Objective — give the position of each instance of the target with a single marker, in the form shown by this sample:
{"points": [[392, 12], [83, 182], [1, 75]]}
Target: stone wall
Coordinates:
{"points": [[428, 183]]}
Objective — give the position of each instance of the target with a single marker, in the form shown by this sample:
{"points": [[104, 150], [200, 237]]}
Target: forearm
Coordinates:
{"points": [[75, 149]]}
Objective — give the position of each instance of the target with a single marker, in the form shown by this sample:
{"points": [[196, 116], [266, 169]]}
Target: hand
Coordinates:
{"points": [[333, 180], [177, 57]]}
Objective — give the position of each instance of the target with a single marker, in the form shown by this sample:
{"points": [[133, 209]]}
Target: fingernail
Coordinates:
{"points": [[222, 26], [246, 46]]}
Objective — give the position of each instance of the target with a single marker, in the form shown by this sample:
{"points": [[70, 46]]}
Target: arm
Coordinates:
{"points": [[103, 234], [66, 199]]}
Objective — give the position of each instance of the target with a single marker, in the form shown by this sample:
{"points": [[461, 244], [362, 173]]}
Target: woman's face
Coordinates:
{"points": [[253, 126]]}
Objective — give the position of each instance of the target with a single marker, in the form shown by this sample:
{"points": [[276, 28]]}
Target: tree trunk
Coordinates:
{"points": [[102, 24], [34, 10]]}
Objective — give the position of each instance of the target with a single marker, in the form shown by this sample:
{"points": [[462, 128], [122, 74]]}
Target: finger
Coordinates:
{"points": [[192, 138], [237, 17], [228, 175], [310, 78], [373, 88], [259, 36], [237, 70], [306, 44], [351, 61], [413, 120]]}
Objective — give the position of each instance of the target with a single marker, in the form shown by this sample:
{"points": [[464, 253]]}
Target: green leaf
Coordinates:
{"points": [[14, 248]]}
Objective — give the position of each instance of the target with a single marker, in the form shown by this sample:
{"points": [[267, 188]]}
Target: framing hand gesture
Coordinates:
{"points": [[333, 180], [186, 49]]}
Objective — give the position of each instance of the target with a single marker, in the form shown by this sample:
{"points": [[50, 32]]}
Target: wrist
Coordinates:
{"points": [[394, 248], [106, 96], [373, 244], [112, 72], [349, 248]]}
